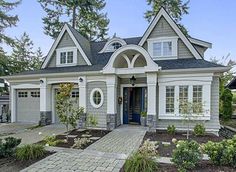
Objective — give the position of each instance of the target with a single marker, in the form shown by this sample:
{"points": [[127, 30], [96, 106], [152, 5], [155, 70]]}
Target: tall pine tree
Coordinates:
{"points": [[23, 57], [176, 9], [84, 15], [7, 20]]}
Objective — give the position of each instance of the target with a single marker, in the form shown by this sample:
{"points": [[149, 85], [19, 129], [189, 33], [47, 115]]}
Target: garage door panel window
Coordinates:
{"points": [[35, 94], [22, 94]]}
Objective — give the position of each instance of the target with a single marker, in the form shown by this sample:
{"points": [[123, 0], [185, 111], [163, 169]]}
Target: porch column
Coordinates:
{"points": [[82, 100], [152, 100], [13, 104], [111, 81], [45, 102]]}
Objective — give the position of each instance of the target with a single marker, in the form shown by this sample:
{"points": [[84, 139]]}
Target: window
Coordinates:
{"points": [[63, 58], [167, 48], [197, 99], [35, 94], [170, 99], [183, 98], [75, 94], [70, 57], [116, 45], [163, 47], [96, 98], [157, 49], [22, 94], [66, 56]]}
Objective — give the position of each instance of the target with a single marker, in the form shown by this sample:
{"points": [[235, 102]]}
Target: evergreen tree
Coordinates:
{"points": [[23, 57], [84, 15], [7, 20], [176, 9]]}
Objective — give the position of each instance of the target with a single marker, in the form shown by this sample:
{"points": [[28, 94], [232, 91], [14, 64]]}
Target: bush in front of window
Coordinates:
{"points": [[171, 129], [199, 130], [186, 155]]}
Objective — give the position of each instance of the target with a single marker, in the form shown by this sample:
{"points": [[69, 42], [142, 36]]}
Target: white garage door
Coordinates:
{"points": [[27, 106]]}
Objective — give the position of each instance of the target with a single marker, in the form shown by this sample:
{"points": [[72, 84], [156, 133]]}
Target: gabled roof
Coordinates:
{"points": [[162, 12], [81, 43]]}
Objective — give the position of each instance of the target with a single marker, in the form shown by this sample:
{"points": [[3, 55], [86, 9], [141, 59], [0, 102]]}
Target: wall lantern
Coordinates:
{"points": [[41, 81], [132, 80], [80, 79]]}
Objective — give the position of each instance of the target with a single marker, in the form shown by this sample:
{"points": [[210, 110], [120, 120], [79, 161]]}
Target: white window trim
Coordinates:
{"points": [[66, 49], [174, 42], [91, 98], [206, 99]]}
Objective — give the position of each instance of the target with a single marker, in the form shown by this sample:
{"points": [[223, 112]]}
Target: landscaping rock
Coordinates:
{"points": [[94, 138], [86, 135]]}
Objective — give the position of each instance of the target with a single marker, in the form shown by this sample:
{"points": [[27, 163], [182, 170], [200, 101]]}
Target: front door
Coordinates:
{"points": [[135, 101]]}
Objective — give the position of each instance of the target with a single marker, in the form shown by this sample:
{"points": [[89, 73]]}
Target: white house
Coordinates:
{"points": [[119, 78]]}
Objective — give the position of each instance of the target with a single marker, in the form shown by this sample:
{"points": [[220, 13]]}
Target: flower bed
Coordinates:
{"points": [[12, 164], [85, 138], [165, 150]]}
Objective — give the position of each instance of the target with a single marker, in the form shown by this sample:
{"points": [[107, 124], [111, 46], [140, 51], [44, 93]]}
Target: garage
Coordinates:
{"points": [[74, 98], [28, 106]]}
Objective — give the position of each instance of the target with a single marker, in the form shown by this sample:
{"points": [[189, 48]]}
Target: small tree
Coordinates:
{"points": [[189, 111], [67, 111], [91, 121]]}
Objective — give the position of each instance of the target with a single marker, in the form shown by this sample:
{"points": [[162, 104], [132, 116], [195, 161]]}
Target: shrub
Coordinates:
{"points": [[8, 146], [143, 160], [79, 142], [52, 140], [171, 129], [199, 130], [186, 155], [222, 153], [30, 152], [227, 108], [144, 114], [234, 98]]}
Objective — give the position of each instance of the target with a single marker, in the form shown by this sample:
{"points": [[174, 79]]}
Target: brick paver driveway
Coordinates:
{"points": [[107, 154]]}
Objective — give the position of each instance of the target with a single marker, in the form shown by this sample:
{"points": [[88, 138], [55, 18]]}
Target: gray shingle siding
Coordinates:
{"points": [[200, 49], [100, 113], [183, 51]]}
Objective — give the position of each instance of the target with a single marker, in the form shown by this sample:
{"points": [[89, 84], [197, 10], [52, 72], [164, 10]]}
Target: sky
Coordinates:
{"points": [[210, 20]]}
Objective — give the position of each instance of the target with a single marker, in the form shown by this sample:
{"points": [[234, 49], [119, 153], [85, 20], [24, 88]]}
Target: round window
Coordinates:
{"points": [[96, 97]]}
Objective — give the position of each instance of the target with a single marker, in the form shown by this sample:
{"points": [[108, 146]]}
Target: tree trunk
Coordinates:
{"points": [[74, 17]]}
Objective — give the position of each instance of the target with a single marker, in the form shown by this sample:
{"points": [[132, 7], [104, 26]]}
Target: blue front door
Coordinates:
{"points": [[134, 102]]}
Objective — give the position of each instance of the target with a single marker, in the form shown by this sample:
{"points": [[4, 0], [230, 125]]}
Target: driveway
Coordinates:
{"points": [[29, 136]]}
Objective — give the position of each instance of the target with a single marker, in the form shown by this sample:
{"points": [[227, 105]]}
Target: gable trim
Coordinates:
{"points": [[55, 44], [174, 26]]}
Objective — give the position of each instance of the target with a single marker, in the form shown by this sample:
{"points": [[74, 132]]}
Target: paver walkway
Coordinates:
{"points": [[107, 154]]}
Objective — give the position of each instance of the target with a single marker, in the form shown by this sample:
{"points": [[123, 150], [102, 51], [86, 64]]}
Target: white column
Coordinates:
{"points": [[82, 92], [111, 81], [45, 96], [152, 93], [13, 104]]}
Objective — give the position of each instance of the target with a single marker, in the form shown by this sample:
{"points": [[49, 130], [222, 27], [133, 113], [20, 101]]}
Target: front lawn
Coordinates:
{"points": [[77, 138]]}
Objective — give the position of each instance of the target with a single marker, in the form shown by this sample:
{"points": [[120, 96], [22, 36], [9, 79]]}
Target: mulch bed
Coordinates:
{"points": [[163, 136], [70, 143], [203, 166], [11, 164]]}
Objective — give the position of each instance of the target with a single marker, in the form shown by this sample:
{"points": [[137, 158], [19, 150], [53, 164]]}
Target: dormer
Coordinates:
{"points": [[69, 49], [113, 44]]}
